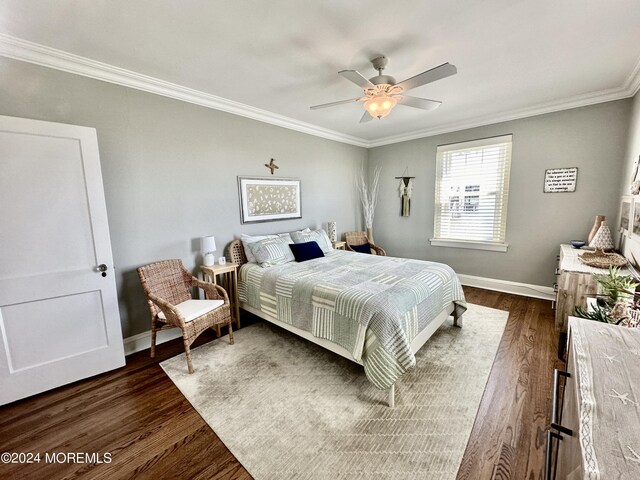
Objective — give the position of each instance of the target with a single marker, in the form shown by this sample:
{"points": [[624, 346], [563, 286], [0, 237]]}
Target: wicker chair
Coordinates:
{"points": [[360, 238], [168, 285]]}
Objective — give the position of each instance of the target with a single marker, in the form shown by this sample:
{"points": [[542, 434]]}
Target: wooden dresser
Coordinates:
{"points": [[575, 283], [595, 430]]}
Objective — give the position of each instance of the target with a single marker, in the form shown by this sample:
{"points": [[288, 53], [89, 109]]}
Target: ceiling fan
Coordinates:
{"points": [[382, 93]]}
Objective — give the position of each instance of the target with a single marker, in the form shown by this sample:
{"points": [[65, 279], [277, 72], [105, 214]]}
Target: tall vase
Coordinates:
{"points": [[370, 235], [596, 227], [602, 239]]}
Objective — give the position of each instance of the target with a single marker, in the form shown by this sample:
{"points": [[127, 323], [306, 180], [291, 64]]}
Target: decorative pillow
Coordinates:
{"points": [[306, 251], [361, 248], [318, 236], [271, 251], [248, 239]]}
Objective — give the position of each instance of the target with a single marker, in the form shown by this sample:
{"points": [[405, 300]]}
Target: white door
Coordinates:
{"points": [[59, 317]]}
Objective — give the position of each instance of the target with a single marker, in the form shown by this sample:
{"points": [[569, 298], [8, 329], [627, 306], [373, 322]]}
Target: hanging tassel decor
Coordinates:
{"points": [[405, 189]]}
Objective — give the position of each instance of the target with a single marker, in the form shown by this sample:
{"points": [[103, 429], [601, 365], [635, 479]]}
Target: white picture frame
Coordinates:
{"points": [[625, 216], [266, 199], [634, 228], [625, 221]]}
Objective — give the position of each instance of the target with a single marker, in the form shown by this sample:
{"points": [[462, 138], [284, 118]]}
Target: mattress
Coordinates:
{"points": [[373, 306]]}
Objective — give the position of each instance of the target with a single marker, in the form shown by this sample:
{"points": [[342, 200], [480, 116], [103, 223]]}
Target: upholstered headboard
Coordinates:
{"points": [[236, 253]]}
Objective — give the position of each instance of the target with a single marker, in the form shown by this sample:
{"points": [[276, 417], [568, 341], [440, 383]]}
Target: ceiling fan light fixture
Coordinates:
{"points": [[380, 105]]}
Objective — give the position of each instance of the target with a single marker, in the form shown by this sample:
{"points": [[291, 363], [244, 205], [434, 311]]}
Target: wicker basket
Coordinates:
{"points": [[599, 259]]}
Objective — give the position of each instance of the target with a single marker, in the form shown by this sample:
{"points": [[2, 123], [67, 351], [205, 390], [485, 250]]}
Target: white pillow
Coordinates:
{"points": [[318, 236], [247, 239], [271, 251], [286, 236]]}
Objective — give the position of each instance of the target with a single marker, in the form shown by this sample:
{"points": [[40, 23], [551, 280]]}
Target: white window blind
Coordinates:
{"points": [[472, 189]]}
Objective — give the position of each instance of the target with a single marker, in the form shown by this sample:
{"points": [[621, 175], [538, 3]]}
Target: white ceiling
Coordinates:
{"points": [[514, 58]]}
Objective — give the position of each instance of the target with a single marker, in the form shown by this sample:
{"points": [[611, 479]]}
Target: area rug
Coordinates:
{"points": [[288, 409]]}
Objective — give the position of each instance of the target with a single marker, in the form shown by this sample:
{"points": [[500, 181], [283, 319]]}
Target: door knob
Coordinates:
{"points": [[102, 268]]}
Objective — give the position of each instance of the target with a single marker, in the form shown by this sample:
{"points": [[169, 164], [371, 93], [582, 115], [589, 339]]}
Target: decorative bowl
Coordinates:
{"points": [[578, 243]]}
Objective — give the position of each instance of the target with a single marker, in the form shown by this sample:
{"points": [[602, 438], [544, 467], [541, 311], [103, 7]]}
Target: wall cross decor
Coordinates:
{"points": [[272, 165]]}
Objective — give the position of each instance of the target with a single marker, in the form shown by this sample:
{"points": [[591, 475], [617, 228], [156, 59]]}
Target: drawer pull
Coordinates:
{"points": [[557, 272], [554, 403], [549, 471]]}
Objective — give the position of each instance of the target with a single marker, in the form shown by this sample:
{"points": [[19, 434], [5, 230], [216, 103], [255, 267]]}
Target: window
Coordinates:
{"points": [[472, 189]]}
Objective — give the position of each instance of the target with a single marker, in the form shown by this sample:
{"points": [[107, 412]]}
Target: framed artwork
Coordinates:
{"points": [[626, 214], [625, 220], [634, 230], [264, 199]]}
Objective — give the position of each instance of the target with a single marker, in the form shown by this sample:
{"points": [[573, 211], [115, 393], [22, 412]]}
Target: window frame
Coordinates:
{"points": [[501, 244]]}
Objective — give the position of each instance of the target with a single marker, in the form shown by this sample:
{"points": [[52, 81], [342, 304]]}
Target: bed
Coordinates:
{"points": [[374, 310]]}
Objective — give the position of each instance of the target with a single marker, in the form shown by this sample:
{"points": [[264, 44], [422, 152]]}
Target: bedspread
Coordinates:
{"points": [[371, 305]]}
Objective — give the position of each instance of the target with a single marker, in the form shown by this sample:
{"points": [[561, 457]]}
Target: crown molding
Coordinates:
{"points": [[23, 50], [19, 49], [633, 82], [574, 102]]}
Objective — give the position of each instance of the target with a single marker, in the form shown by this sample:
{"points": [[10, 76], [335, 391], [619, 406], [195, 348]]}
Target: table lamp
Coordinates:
{"points": [[208, 246]]}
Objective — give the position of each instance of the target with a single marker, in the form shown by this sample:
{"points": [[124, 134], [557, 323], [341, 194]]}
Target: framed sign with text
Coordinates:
{"points": [[560, 180]]}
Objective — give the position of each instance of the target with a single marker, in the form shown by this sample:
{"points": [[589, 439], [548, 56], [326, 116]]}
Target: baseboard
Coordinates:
{"points": [[525, 289], [142, 340]]}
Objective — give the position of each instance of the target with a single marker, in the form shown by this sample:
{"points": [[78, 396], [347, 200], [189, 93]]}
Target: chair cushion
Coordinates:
{"points": [[361, 248], [192, 309], [306, 251]]}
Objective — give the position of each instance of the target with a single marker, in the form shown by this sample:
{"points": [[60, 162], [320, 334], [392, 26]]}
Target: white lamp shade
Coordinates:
{"points": [[207, 244]]}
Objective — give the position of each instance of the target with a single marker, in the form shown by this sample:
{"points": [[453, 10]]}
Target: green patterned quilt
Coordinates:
{"points": [[373, 306]]}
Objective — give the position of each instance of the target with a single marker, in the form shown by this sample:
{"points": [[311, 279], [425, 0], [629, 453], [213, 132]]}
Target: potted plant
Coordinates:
{"points": [[616, 302]]}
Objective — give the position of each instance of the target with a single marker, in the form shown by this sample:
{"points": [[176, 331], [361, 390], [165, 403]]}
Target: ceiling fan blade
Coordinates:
{"points": [[366, 117], [443, 71], [416, 102], [355, 77], [333, 104]]}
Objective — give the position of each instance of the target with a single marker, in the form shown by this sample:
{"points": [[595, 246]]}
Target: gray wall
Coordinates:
{"points": [[170, 169], [591, 138]]}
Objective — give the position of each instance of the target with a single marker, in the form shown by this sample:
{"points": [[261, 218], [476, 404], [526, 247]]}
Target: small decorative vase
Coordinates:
{"points": [[596, 226], [370, 235], [331, 231], [602, 239]]}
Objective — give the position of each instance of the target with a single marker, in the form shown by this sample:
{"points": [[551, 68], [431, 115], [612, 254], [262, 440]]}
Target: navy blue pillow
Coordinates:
{"points": [[361, 248], [306, 251]]}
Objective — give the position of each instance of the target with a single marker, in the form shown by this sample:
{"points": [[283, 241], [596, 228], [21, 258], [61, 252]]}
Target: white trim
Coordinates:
{"points": [[23, 50], [517, 114], [633, 82], [492, 247], [142, 341], [26, 51], [516, 288]]}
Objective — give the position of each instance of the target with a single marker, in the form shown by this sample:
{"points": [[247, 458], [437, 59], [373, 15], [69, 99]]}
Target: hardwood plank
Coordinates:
{"points": [[507, 440], [138, 415]]}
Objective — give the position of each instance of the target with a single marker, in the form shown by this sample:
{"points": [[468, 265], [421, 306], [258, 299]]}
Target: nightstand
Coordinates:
{"points": [[339, 245], [229, 276]]}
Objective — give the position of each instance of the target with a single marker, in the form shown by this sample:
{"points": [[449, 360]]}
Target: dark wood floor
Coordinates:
{"points": [[138, 416]]}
